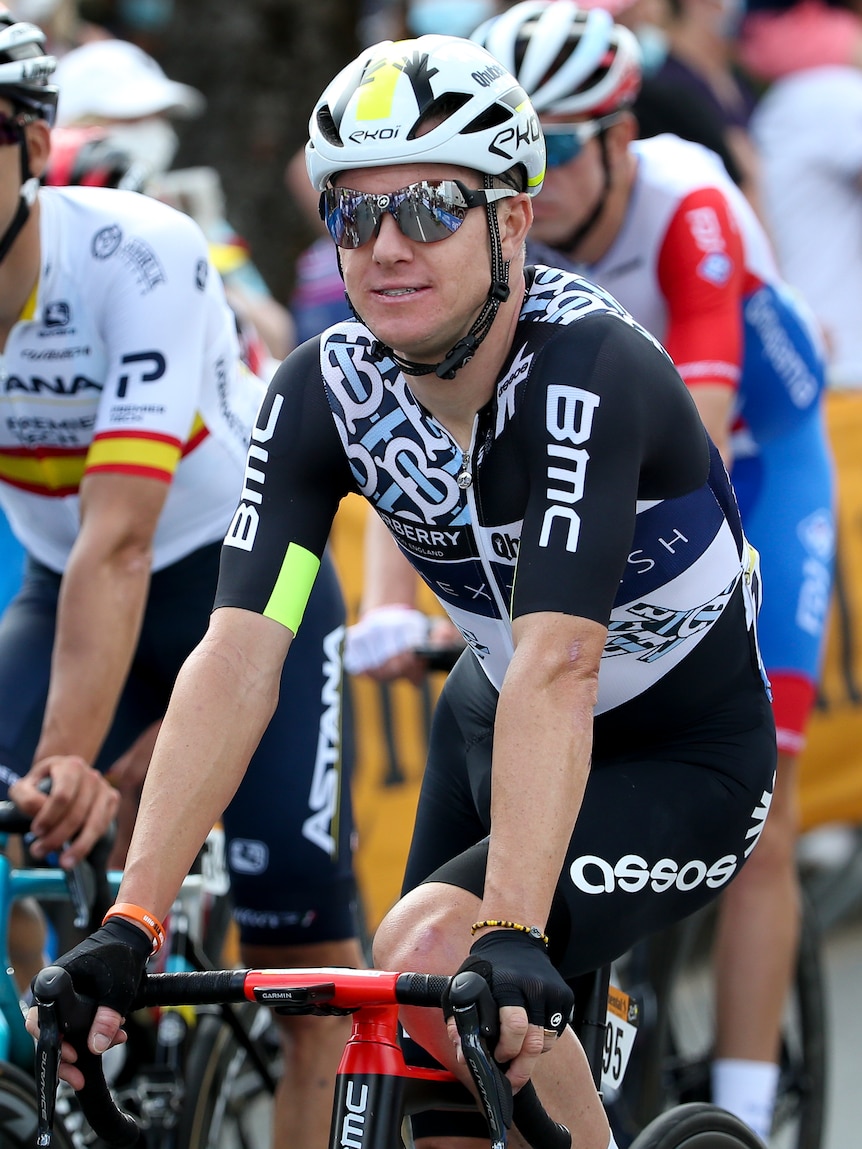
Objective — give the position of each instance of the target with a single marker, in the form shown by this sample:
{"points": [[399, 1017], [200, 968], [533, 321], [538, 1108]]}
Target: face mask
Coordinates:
{"points": [[152, 143], [654, 47], [458, 18]]}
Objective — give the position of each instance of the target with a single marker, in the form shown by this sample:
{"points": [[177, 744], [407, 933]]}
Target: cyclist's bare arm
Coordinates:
{"points": [[221, 704], [542, 747], [102, 599], [223, 700], [715, 407]]}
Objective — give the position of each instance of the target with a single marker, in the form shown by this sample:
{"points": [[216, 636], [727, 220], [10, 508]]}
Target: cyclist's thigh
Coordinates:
{"points": [[289, 828], [26, 641], [658, 836], [454, 808]]}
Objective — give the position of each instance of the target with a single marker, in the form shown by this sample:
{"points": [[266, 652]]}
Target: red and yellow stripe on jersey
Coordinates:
{"points": [[55, 472]]}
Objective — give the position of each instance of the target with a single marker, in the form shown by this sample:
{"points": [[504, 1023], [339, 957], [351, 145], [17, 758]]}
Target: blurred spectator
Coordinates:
{"points": [[143, 21], [808, 127], [778, 38], [318, 295], [115, 84], [701, 63], [59, 19], [668, 100]]}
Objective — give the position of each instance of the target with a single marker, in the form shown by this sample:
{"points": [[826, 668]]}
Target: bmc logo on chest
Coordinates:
{"points": [[569, 413]]}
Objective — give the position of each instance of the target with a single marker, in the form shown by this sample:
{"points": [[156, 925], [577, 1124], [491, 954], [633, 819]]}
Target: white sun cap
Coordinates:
{"points": [[117, 80]]}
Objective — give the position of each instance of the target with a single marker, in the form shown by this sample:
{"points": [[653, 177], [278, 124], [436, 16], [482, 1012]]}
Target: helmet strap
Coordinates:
{"points": [[29, 189], [582, 230], [465, 348]]}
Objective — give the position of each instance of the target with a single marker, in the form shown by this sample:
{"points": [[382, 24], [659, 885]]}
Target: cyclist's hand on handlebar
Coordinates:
{"points": [[381, 643], [535, 1003], [78, 811], [109, 968]]}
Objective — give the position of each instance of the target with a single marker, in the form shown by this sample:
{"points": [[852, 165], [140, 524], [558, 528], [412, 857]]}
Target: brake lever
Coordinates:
{"points": [[76, 1015], [81, 884], [67, 1013], [47, 1071], [477, 1021]]}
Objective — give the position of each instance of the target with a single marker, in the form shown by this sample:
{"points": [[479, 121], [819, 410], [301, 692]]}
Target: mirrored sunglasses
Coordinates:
{"points": [[12, 127], [565, 142], [425, 212]]}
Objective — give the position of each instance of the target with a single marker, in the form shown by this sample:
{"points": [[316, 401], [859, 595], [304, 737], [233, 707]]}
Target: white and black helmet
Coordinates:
{"points": [[569, 61], [25, 68], [377, 110]]}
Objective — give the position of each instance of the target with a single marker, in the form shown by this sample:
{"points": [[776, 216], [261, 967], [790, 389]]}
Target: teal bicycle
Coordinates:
{"points": [[85, 888], [148, 1076]]}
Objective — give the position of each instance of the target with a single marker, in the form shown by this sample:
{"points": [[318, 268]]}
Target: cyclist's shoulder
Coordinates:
{"points": [[95, 225], [674, 167], [564, 311]]}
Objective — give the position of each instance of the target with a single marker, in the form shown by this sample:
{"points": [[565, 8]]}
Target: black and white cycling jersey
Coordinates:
{"points": [[589, 488]]}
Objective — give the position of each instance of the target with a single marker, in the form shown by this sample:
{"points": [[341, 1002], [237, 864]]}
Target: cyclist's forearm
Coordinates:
{"points": [[222, 702], [98, 622], [542, 746]]}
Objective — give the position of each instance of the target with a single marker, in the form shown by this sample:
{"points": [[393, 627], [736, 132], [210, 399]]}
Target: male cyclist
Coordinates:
{"points": [[660, 225], [583, 537], [125, 415]]}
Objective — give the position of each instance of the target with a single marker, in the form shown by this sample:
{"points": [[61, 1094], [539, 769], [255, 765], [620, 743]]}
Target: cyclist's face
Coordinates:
{"points": [[570, 191], [419, 298], [38, 146]]}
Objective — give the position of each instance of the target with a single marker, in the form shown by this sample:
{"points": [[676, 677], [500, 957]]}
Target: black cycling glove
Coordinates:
{"points": [[110, 965], [519, 972]]}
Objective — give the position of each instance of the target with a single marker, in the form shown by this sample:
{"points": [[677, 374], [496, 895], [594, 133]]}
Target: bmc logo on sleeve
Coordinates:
{"points": [[243, 530]]}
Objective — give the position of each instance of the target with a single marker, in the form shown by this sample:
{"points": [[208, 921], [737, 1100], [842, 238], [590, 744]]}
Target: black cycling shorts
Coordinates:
{"points": [[289, 829], [659, 834]]}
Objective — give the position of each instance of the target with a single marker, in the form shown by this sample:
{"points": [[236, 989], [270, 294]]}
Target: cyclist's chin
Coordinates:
{"points": [[414, 339]]}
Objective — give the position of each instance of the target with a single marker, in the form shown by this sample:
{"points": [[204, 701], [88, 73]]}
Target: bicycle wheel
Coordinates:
{"points": [[686, 1038], [697, 1126], [228, 1102], [19, 1112]]}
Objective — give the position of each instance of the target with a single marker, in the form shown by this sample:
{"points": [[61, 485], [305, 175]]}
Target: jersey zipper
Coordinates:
{"points": [[465, 482]]}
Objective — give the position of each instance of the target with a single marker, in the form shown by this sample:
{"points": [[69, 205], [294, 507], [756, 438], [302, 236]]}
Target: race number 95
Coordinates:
{"points": [[620, 1031]]}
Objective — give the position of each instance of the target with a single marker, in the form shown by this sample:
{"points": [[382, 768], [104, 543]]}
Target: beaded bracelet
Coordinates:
{"points": [[494, 924], [143, 918]]}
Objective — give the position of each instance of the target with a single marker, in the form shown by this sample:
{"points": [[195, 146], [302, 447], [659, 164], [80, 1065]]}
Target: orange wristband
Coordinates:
{"points": [[143, 918]]}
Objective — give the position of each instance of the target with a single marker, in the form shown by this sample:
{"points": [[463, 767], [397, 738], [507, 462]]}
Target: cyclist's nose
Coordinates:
{"points": [[390, 243]]}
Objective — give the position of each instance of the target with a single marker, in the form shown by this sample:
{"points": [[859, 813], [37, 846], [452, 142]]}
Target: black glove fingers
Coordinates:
{"points": [[109, 965], [522, 975]]}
